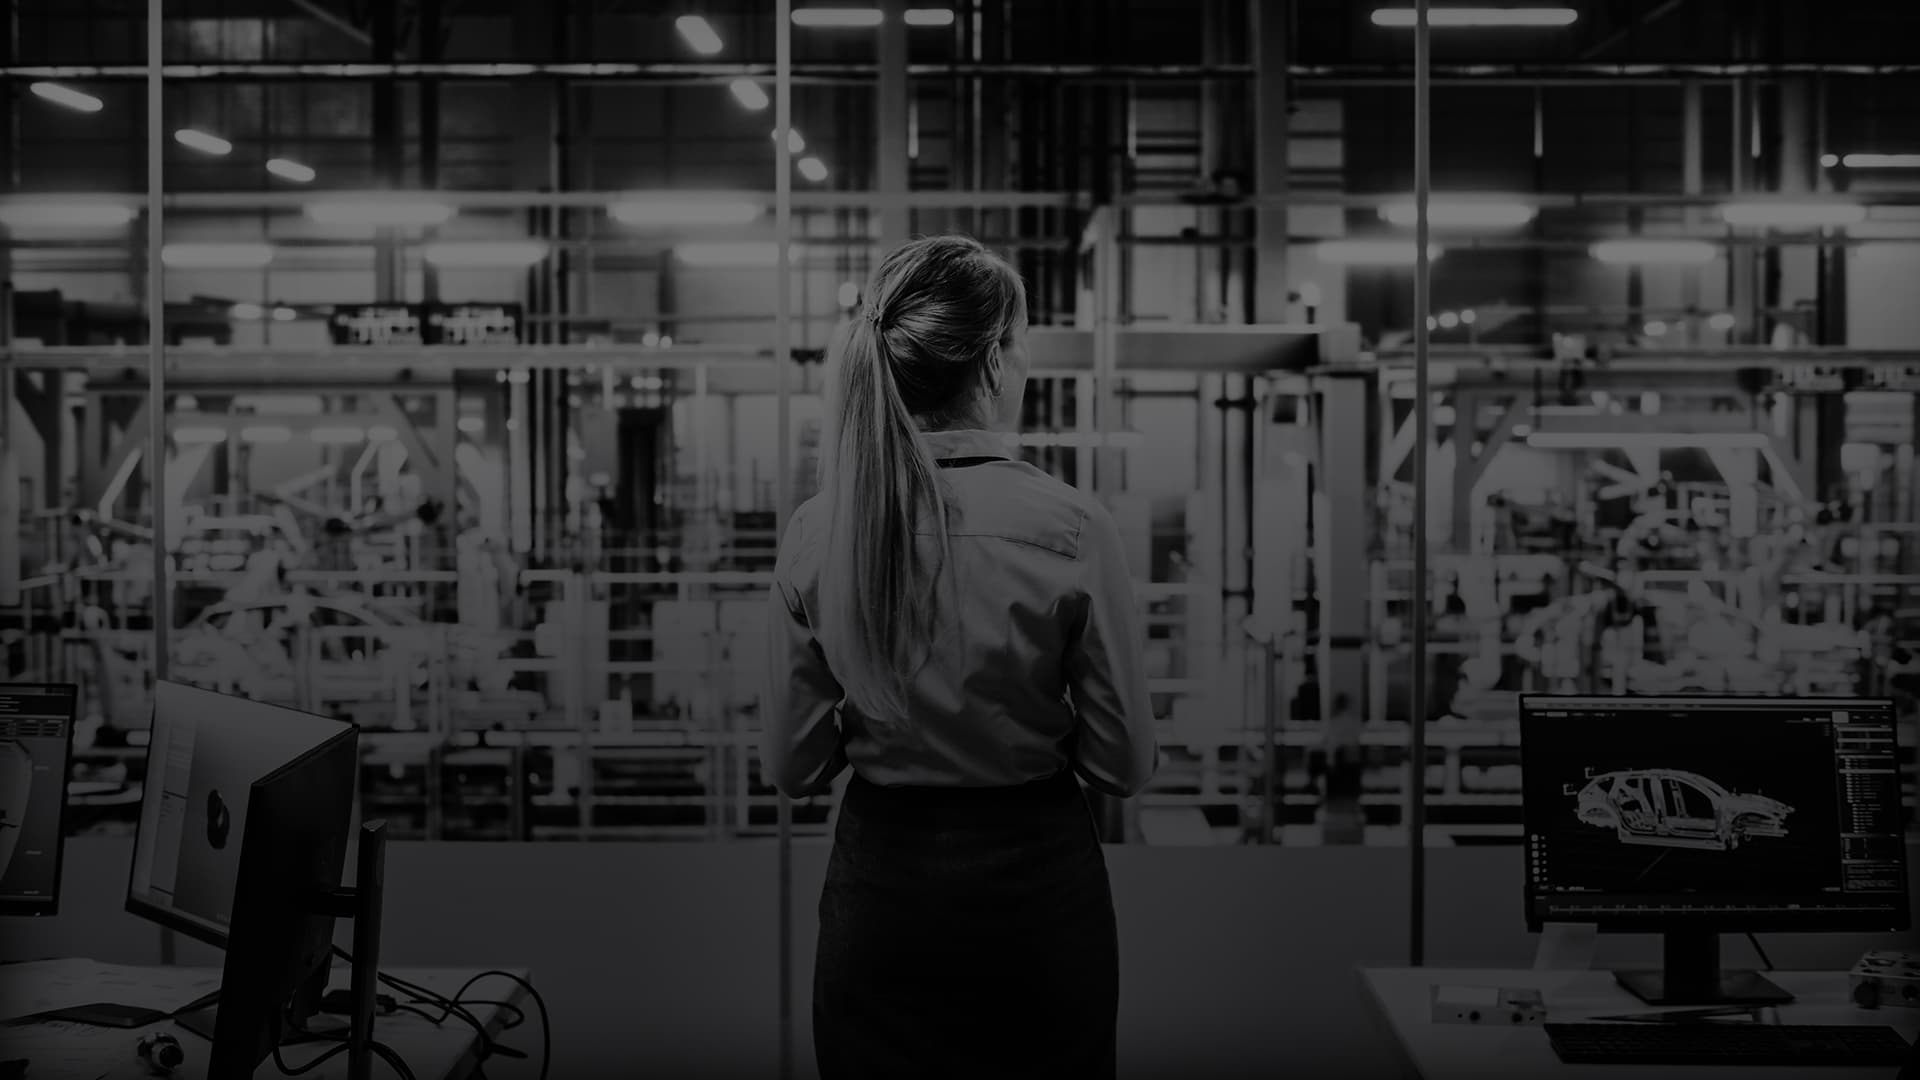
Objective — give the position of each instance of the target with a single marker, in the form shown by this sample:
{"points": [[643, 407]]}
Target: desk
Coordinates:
{"points": [[1402, 1000], [450, 1051]]}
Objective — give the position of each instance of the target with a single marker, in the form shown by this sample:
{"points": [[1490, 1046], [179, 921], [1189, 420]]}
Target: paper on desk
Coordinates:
{"points": [[70, 1051], [45, 985]]}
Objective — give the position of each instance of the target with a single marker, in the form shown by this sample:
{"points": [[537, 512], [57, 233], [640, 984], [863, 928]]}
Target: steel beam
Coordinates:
{"points": [[1663, 73], [1271, 21], [1343, 542], [1469, 466], [892, 101]]}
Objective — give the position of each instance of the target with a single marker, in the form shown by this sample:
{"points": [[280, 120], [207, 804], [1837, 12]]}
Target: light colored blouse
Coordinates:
{"points": [[1037, 665]]}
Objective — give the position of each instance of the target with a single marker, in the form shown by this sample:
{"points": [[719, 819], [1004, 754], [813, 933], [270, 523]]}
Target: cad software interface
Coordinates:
{"points": [[36, 731], [1733, 807], [204, 752]]}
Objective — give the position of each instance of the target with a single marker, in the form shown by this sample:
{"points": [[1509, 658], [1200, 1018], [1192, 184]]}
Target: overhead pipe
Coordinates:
{"points": [[1609, 74]]}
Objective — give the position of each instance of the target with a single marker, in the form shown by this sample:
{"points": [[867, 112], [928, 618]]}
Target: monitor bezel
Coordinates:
{"points": [[1866, 921], [38, 907], [168, 918]]}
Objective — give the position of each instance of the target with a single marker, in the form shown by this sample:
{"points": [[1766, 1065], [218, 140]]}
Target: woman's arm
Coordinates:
{"points": [[1115, 748], [800, 748]]}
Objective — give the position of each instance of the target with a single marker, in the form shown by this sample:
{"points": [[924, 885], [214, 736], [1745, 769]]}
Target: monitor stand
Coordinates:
{"points": [[303, 1022], [1691, 975]]}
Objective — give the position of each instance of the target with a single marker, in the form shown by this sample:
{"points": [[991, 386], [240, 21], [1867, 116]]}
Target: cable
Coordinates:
{"points": [[493, 1045], [540, 1003], [1765, 963], [287, 1070]]}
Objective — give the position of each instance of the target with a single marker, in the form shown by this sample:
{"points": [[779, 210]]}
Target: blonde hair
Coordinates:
{"points": [[912, 359]]}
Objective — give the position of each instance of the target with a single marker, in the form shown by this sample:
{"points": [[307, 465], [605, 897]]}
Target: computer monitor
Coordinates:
{"points": [[1692, 816], [245, 824], [204, 753], [36, 747]]}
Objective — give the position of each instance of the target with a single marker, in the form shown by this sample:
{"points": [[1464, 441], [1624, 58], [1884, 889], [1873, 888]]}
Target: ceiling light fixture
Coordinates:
{"points": [[838, 18], [77, 100], [290, 170], [19, 214], [749, 93], [743, 254], [679, 210], [194, 139], [485, 254], [1790, 215], [929, 16], [1373, 252], [698, 34], [795, 144], [813, 169], [1438, 18], [1635, 252], [1461, 213], [1878, 161], [380, 211], [216, 256]]}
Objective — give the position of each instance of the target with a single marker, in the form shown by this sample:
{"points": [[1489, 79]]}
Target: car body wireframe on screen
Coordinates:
{"points": [[16, 779], [1676, 808]]}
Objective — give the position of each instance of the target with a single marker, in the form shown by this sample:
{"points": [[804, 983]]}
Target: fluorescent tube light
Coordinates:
{"points": [[749, 93], [78, 100], [795, 144], [1721, 320], [699, 34], [216, 256], [337, 436], [836, 17], [1683, 252], [54, 214], [1403, 18], [290, 170], [1647, 440], [206, 143], [733, 254], [675, 210], [1461, 213], [382, 433], [1373, 252], [813, 169], [1881, 161], [1804, 215], [285, 314], [929, 16], [188, 436], [266, 433], [477, 254], [380, 211], [246, 312]]}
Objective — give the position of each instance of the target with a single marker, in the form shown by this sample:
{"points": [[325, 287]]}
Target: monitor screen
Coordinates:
{"points": [[36, 744], [1660, 813], [204, 752]]}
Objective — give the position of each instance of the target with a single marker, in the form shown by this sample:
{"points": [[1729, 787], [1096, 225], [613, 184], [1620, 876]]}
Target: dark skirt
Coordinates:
{"points": [[966, 932]]}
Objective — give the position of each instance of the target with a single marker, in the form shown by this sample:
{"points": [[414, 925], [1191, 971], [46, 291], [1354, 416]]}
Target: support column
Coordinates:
{"points": [[1692, 170], [1270, 18], [388, 153], [1341, 572], [892, 101], [1795, 278], [9, 456]]}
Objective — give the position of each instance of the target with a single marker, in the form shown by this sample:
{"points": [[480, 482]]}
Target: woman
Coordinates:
{"points": [[960, 629]]}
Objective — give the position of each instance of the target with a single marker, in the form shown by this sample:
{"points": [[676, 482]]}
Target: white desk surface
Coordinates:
{"points": [[1402, 999], [449, 1051]]}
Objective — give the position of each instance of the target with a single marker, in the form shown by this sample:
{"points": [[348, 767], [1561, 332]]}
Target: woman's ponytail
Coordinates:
{"points": [[878, 597]]}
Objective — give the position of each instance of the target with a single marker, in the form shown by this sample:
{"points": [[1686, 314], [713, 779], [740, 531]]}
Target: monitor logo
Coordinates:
{"points": [[219, 820], [1678, 809]]}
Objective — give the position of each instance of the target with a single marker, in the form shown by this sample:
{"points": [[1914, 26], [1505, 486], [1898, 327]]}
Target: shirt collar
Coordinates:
{"points": [[966, 443]]}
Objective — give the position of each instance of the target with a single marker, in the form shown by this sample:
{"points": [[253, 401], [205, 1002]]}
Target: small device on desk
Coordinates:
{"points": [[244, 827], [1886, 978], [1694, 816], [1756, 1045]]}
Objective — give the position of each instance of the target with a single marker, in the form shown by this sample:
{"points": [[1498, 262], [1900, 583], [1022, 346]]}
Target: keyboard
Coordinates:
{"points": [[1726, 1044]]}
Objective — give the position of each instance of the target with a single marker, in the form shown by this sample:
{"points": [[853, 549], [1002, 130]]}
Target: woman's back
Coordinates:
{"points": [[1035, 666]]}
